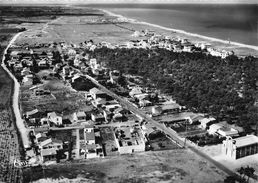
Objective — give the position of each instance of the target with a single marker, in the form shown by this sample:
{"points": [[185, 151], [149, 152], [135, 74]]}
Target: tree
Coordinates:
{"points": [[221, 87], [253, 117], [35, 67], [122, 81], [241, 172], [56, 57], [249, 172], [230, 179]]}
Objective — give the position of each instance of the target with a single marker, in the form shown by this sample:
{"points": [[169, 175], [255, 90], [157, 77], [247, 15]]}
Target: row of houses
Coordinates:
{"points": [[78, 142]]}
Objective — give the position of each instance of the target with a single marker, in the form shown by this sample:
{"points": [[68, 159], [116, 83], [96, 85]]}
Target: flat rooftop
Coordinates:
{"points": [[246, 140]]}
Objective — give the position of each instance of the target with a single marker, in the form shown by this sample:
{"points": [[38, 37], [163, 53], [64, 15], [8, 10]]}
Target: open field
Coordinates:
{"points": [[180, 166], [62, 99], [74, 30]]}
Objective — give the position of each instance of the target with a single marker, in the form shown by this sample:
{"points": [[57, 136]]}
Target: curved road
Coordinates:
{"points": [[15, 104]]}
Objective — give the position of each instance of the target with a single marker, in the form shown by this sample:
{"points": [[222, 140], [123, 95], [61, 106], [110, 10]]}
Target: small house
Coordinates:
{"points": [[79, 116], [170, 108], [223, 129], [54, 118], [156, 110], [145, 103], [27, 80], [97, 117], [206, 122], [48, 149], [135, 91], [96, 93]]}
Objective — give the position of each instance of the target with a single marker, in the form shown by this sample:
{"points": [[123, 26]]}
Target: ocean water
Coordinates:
{"points": [[238, 23]]}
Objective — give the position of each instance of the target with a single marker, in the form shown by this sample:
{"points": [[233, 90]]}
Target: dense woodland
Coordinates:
{"points": [[225, 88], [34, 11]]}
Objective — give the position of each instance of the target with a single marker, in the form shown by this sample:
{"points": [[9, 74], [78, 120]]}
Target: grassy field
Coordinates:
{"points": [[74, 30], [179, 166]]}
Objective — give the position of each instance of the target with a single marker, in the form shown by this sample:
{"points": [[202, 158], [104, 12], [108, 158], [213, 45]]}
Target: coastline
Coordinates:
{"points": [[210, 40], [15, 97]]}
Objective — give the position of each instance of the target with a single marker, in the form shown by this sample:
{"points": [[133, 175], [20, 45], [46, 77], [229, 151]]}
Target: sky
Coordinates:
{"points": [[127, 1]]}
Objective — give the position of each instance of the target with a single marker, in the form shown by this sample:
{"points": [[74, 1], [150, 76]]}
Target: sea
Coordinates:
{"points": [[229, 22]]}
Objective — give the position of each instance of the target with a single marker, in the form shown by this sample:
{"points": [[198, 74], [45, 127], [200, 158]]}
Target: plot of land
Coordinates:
{"points": [[159, 141], [179, 166], [62, 98]]}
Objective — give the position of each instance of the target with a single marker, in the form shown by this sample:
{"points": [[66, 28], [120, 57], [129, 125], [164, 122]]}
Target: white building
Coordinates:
{"points": [[54, 118], [240, 147], [205, 122]]}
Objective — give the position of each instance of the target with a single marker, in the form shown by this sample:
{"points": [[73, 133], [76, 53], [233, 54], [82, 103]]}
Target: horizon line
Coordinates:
{"points": [[94, 3]]}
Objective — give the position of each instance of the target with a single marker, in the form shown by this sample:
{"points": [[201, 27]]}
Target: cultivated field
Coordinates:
{"points": [[9, 149], [5, 88], [9, 144]]}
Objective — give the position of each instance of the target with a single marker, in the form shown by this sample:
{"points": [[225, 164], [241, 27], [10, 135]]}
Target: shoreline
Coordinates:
{"points": [[15, 97], [212, 39]]}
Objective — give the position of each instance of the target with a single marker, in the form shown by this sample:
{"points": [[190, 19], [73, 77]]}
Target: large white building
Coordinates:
{"points": [[240, 147]]}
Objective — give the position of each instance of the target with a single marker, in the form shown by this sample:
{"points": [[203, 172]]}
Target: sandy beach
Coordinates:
{"points": [[239, 48]]}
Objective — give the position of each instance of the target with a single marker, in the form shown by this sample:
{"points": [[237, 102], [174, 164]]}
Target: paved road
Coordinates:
{"points": [[174, 136], [19, 121]]}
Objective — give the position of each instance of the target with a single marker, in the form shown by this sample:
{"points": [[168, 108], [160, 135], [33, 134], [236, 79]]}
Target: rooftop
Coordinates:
{"points": [[167, 106], [48, 152], [207, 120], [51, 115], [95, 90], [246, 140], [34, 111], [80, 114], [90, 135]]}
